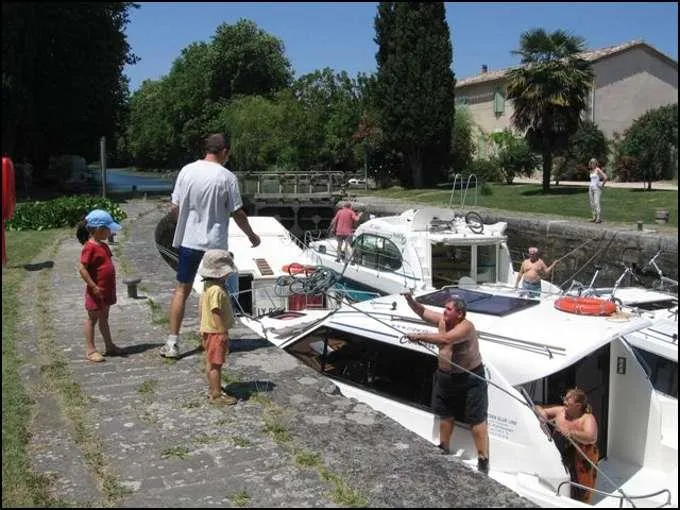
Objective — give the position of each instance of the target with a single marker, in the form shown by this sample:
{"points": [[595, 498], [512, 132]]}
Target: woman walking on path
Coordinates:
{"points": [[597, 180]]}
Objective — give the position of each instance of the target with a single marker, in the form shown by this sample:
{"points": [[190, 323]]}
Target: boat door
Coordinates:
{"points": [[591, 374]]}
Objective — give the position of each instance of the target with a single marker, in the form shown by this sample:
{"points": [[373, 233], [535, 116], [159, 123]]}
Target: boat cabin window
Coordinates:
{"points": [[486, 264], [389, 370], [662, 372], [450, 263], [376, 252]]}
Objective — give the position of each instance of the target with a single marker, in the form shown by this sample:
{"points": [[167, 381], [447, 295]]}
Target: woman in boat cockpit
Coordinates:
{"points": [[575, 426]]}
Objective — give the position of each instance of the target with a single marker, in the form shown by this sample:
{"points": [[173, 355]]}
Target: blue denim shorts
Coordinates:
{"points": [[533, 289], [187, 267], [187, 264]]}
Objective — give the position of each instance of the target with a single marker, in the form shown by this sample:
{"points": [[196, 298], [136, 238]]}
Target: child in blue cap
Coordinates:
{"points": [[97, 270]]}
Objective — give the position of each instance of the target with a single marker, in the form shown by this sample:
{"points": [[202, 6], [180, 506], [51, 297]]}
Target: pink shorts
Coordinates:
{"points": [[216, 346]]}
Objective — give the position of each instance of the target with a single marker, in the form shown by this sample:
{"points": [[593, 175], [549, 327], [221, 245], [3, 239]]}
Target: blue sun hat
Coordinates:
{"points": [[101, 218]]}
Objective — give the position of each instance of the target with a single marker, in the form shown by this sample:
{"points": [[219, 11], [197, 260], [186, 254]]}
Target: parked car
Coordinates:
{"points": [[356, 182]]}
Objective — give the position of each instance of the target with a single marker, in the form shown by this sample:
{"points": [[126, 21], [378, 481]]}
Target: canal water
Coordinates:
{"points": [[121, 180]]}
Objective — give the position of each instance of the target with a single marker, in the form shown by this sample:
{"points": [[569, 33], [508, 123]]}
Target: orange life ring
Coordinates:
{"points": [[585, 305], [297, 268]]}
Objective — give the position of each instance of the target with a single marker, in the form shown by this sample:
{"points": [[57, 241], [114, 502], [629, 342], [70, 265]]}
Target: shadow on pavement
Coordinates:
{"points": [[48, 264], [244, 390], [138, 348], [248, 344]]}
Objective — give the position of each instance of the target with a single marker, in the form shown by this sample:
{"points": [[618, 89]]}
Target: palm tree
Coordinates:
{"points": [[549, 91]]}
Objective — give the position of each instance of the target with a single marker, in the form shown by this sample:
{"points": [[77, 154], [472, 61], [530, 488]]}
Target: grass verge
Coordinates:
{"points": [[21, 487], [274, 426], [623, 205]]}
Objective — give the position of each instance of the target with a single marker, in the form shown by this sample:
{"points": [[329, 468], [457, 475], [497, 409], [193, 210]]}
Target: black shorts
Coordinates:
{"points": [[461, 396]]}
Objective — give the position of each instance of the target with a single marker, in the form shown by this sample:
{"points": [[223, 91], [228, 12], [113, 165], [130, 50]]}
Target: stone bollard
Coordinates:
{"points": [[132, 286]]}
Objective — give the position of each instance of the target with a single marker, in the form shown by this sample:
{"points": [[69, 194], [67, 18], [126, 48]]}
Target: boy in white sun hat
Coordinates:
{"points": [[216, 319]]}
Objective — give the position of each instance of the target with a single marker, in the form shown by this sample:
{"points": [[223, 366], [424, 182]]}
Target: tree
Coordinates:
{"points": [[261, 130], [241, 60], [150, 135], [462, 143], [549, 91], [414, 87], [247, 61], [331, 106], [587, 142], [652, 141], [513, 155], [62, 77]]}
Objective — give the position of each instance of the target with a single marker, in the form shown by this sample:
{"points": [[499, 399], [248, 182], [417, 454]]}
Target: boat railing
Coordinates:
{"points": [[662, 336], [665, 283], [621, 497], [463, 192], [539, 348]]}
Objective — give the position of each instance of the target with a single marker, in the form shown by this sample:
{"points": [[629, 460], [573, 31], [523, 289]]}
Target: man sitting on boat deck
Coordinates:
{"points": [[460, 391], [575, 428], [531, 272]]}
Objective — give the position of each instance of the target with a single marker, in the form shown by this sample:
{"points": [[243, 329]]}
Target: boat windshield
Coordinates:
{"points": [[477, 301]]}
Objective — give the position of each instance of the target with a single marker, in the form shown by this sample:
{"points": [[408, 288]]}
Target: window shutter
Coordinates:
{"points": [[498, 101]]}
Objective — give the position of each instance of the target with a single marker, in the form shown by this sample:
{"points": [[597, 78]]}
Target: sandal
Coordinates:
{"points": [[222, 400], [115, 351], [95, 357]]}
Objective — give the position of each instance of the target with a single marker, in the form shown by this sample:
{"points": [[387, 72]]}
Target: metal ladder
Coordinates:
{"points": [[463, 192]]}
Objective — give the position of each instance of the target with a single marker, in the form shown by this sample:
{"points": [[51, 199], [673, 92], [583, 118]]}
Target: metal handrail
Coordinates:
{"points": [[620, 498], [463, 192], [467, 186], [453, 189]]}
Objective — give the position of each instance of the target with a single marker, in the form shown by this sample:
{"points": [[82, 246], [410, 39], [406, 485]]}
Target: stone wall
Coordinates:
{"points": [[582, 244]]}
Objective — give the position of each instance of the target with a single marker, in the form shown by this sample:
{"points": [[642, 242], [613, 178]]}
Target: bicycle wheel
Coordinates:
{"points": [[474, 222]]}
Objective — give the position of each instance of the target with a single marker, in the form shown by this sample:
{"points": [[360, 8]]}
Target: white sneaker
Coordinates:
{"points": [[169, 351]]}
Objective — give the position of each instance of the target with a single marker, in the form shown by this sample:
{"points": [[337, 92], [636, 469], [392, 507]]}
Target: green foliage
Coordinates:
{"points": [[247, 61], [21, 486], [330, 107], [486, 170], [587, 142], [652, 140], [62, 78], [549, 91], [486, 189], [310, 126], [170, 117], [414, 88], [260, 132], [462, 144], [60, 212], [513, 155], [626, 168]]}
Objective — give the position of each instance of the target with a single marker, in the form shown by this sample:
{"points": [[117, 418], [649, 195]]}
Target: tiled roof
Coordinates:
{"points": [[592, 55]]}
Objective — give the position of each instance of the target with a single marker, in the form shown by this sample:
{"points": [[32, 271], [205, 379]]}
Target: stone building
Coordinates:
{"points": [[630, 79]]}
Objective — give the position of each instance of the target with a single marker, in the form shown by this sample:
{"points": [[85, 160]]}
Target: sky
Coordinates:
{"points": [[340, 35]]}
